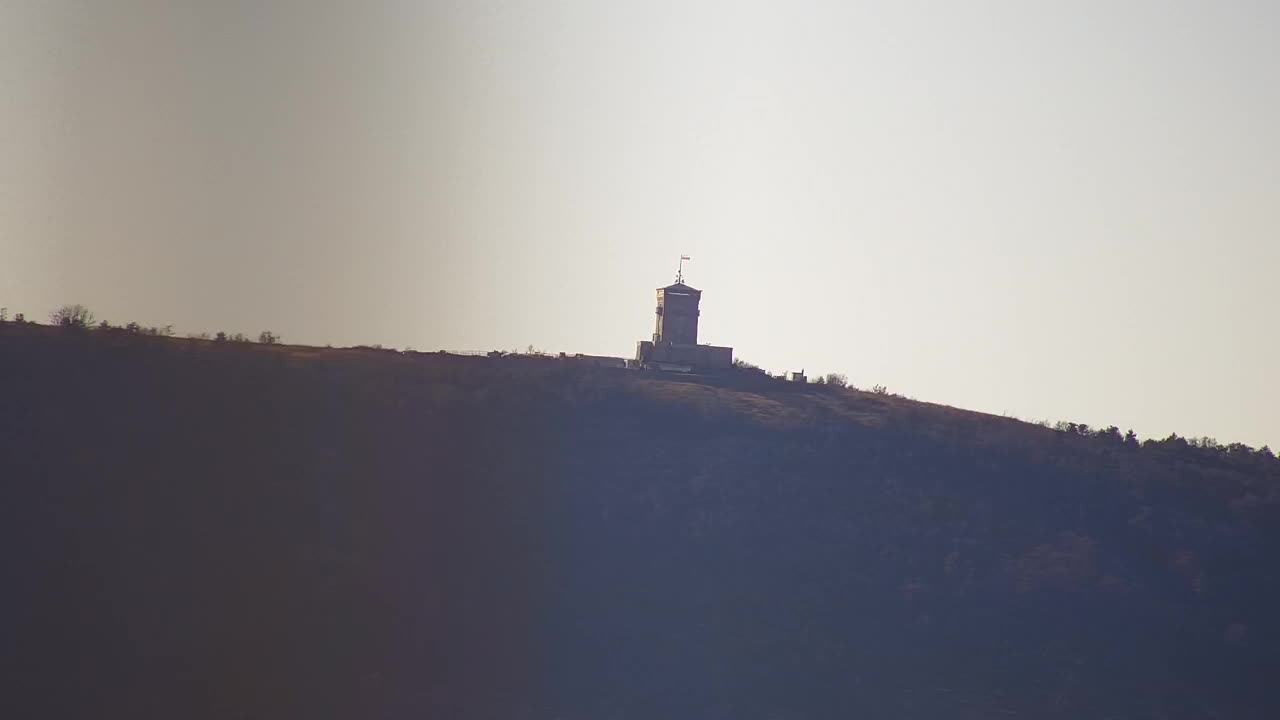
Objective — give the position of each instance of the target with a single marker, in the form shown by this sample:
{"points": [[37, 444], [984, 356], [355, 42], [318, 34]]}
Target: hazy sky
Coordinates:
{"points": [[1057, 210]]}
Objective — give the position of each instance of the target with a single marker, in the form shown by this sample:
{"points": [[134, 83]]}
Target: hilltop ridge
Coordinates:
{"points": [[211, 529]]}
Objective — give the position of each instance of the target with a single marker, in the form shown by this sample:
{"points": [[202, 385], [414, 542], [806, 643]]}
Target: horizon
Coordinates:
{"points": [[1026, 212], [234, 339]]}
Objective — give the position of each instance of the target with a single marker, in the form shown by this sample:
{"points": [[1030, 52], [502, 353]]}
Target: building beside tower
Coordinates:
{"points": [[675, 333]]}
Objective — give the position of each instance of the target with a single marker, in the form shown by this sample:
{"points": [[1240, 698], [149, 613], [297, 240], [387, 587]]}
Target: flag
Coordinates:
{"points": [[684, 257]]}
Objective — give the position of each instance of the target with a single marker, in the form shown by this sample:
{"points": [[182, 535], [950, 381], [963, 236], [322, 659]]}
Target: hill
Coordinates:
{"points": [[201, 529]]}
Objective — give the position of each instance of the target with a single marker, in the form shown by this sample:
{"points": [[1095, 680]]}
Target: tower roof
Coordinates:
{"points": [[680, 288]]}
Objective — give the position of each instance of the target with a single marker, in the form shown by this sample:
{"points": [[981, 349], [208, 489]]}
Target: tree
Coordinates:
{"points": [[880, 390], [4, 314], [1111, 433], [220, 337], [266, 337], [837, 379], [72, 316]]}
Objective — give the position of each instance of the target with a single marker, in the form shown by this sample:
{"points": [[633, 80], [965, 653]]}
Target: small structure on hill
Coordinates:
{"points": [[797, 377], [596, 360], [675, 336]]}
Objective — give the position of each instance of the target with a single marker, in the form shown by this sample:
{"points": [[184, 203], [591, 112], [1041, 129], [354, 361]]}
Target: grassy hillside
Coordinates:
{"points": [[223, 530]]}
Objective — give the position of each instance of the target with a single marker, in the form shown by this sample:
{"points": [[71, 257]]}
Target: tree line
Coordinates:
{"points": [[1200, 448]]}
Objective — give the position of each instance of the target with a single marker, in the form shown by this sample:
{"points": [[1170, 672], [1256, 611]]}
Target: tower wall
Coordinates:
{"points": [[677, 315]]}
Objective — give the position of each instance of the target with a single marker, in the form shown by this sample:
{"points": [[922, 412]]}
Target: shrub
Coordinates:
{"points": [[220, 337], [741, 364], [1082, 429], [837, 379], [266, 337], [72, 316]]}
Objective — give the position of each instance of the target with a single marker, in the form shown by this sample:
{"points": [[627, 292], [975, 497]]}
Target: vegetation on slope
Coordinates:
{"points": [[205, 529]]}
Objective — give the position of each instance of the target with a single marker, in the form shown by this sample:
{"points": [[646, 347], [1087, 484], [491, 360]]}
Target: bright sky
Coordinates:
{"points": [[1061, 210]]}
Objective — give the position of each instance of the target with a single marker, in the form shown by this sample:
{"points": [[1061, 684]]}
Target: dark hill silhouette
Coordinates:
{"points": [[223, 530]]}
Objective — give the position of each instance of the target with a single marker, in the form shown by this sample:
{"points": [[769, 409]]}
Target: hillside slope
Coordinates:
{"points": [[197, 529]]}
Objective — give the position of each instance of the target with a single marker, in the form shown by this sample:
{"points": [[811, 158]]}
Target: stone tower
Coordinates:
{"points": [[675, 345], [677, 315]]}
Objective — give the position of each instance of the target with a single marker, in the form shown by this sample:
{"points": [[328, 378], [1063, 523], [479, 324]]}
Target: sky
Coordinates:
{"points": [[1052, 210]]}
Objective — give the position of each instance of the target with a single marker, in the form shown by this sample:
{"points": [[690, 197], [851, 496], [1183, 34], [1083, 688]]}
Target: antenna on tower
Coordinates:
{"points": [[680, 271]]}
